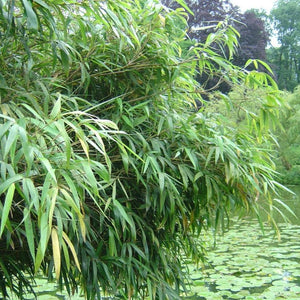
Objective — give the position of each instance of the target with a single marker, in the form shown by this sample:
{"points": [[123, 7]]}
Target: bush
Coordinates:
{"points": [[108, 172]]}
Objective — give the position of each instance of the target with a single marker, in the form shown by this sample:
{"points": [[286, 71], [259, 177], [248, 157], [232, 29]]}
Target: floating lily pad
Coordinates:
{"points": [[248, 265]]}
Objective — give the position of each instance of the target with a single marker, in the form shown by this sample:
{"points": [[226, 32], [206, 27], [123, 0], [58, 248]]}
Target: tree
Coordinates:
{"points": [[288, 150], [203, 22], [253, 38], [208, 14], [286, 58], [108, 174], [205, 15]]}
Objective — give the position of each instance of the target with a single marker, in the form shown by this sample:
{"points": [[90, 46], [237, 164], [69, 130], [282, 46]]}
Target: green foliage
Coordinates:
{"points": [[108, 173], [288, 158], [286, 57]]}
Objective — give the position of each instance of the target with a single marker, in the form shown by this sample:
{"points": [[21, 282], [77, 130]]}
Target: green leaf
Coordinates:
{"points": [[44, 233], [62, 130], [7, 206], [29, 232], [66, 254], [91, 179], [54, 193], [183, 4], [7, 183], [69, 199], [161, 178], [3, 83], [56, 108], [56, 252], [111, 243], [184, 176], [127, 121], [122, 212], [38, 259], [64, 55], [11, 139], [48, 167], [5, 127], [32, 19], [82, 226], [72, 249], [31, 193]]}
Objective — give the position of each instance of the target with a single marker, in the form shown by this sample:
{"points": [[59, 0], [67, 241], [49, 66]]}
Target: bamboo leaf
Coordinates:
{"points": [[65, 59], [29, 232], [44, 233], [286, 207], [38, 259], [56, 108], [62, 130], [52, 206], [111, 243], [8, 182], [30, 193], [82, 226], [72, 249], [48, 167], [70, 201], [91, 179], [7, 206], [161, 178], [122, 212], [183, 4], [56, 252], [191, 156], [5, 127], [32, 19], [184, 175], [66, 254], [11, 139]]}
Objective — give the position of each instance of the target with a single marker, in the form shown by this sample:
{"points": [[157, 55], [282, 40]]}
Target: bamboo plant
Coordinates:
{"points": [[109, 173]]}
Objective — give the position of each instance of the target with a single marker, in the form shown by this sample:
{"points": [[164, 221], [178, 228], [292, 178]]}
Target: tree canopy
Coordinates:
{"points": [[203, 20], [108, 172], [285, 17]]}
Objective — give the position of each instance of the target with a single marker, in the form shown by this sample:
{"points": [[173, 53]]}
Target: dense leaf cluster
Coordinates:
{"points": [[108, 173]]}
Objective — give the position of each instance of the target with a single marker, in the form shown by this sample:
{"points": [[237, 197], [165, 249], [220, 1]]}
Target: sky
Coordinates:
{"points": [[247, 4]]}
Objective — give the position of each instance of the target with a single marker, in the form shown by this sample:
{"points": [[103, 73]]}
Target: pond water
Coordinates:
{"points": [[245, 264], [248, 265]]}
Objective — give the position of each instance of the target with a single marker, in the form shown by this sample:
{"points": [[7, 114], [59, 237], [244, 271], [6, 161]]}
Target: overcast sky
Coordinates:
{"points": [[246, 4]]}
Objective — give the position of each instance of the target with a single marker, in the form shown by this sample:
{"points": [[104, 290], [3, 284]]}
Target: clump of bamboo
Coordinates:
{"points": [[108, 172]]}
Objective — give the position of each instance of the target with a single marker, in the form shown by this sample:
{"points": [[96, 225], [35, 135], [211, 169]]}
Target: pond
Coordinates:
{"points": [[245, 264]]}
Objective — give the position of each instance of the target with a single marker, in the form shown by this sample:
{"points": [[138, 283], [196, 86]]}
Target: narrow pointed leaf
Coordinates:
{"points": [[56, 252], [7, 207]]}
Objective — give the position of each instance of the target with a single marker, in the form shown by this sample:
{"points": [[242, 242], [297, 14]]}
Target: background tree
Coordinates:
{"points": [[286, 58], [205, 16], [253, 37], [108, 174], [288, 150]]}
